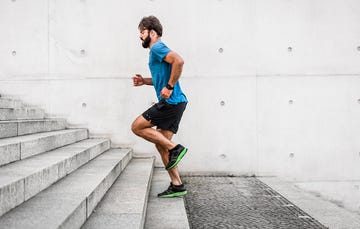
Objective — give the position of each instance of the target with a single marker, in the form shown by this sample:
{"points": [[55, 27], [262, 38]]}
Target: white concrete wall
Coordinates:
{"points": [[274, 85]]}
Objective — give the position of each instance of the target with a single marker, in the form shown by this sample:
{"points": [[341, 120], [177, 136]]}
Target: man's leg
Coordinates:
{"points": [[176, 187], [143, 128], [174, 172]]}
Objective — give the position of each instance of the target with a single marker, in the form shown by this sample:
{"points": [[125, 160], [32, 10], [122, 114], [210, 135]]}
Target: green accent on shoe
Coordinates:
{"points": [[175, 194], [183, 152]]}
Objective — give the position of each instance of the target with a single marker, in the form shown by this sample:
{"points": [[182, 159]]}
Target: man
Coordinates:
{"points": [[165, 67]]}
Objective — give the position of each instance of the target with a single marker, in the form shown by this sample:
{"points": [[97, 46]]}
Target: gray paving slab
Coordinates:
{"points": [[241, 202], [124, 206], [325, 211], [164, 213], [66, 203], [21, 180]]}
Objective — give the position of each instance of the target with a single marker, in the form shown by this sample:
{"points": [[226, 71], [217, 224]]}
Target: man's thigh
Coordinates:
{"points": [[141, 123]]}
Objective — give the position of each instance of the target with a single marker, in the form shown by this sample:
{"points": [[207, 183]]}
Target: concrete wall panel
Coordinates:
{"points": [[323, 36], [219, 125], [24, 39], [306, 127]]}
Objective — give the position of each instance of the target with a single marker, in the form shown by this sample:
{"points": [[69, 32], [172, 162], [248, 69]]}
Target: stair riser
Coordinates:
{"points": [[8, 129], [73, 221], [33, 127], [13, 129], [9, 103], [12, 195], [95, 197], [9, 153], [127, 195], [76, 219], [15, 114], [41, 145], [24, 189], [77, 161], [21, 150], [41, 180]]}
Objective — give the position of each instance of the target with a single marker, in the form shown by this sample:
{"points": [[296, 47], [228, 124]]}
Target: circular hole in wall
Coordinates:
{"points": [[291, 155], [13, 53], [83, 105], [220, 50], [358, 100], [291, 101], [290, 49], [358, 48], [222, 103], [82, 52], [222, 156]]}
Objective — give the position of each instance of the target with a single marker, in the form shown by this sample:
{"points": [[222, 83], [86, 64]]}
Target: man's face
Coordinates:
{"points": [[145, 37]]}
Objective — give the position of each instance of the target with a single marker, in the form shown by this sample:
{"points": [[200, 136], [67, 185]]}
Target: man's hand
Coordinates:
{"points": [[138, 80], [165, 93]]}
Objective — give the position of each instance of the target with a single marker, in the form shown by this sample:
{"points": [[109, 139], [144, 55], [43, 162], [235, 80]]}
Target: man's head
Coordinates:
{"points": [[149, 26]]}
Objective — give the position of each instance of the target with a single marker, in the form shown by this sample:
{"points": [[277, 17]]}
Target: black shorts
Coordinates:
{"points": [[165, 116]]}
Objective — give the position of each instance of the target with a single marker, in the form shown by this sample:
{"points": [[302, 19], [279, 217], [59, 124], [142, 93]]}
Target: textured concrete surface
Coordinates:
{"points": [[29, 145], [311, 197], [21, 113], [124, 205], [164, 213], [240, 202], [25, 178], [63, 205], [10, 103], [22, 127], [43, 142], [8, 129], [37, 126]]}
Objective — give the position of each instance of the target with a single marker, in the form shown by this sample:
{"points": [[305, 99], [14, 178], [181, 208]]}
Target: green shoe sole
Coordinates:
{"points": [[178, 159], [176, 194]]}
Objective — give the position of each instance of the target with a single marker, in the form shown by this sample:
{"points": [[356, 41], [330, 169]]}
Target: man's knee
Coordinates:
{"points": [[139, 124], [135, 128]]}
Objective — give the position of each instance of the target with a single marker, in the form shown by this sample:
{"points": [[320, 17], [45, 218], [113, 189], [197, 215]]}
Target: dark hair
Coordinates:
{"points": [[151, 23]]}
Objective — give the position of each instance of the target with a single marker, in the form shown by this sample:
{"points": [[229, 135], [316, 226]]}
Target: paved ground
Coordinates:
{"points": [[333, 203], [239, 202]]}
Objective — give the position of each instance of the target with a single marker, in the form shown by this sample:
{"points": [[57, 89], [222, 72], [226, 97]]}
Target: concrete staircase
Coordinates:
{"points": [[54, 177]]}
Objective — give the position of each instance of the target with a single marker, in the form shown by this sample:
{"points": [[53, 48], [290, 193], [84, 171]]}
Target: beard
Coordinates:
{"points": [[146, 42]]}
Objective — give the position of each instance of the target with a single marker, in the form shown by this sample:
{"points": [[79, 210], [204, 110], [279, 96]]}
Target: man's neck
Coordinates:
{"points": [[153, 42]]}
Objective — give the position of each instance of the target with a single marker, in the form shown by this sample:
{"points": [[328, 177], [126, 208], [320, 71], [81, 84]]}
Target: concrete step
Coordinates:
{"points": [[18, 148], [68, 203], [10, 103], [124, 205], [22, 180], [163, 213], [22, 127], [21, 113]]}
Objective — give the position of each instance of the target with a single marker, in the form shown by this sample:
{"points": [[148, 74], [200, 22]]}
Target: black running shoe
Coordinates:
{"points": [[173, 191], [175, 155]]}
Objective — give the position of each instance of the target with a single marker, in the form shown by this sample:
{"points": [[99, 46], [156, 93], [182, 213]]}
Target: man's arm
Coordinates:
{"points": [[138, 80], [176, 68]]}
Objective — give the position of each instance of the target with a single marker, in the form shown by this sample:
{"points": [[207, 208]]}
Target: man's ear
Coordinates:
{"points": [[153, 33]]}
